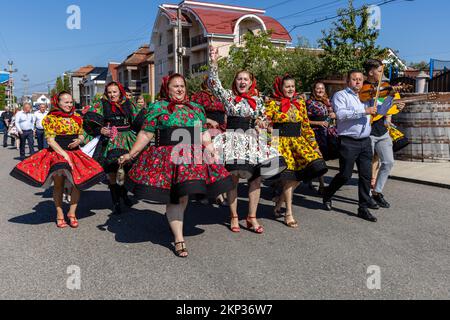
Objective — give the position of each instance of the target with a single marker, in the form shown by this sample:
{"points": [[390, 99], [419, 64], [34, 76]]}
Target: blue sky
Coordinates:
{"points": [[35, 36]]}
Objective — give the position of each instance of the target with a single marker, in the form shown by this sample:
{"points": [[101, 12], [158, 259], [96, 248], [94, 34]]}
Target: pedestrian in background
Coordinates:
{"points": [[25, 126], [6, 119], [39, 116]]}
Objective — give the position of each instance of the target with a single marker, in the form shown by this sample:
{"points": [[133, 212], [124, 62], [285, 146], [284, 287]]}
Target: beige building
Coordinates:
{"points": [[137, 72], [205, 24]]}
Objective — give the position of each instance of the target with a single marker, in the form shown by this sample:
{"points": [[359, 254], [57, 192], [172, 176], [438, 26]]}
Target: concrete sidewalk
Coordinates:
{"points": [[433, 174]]}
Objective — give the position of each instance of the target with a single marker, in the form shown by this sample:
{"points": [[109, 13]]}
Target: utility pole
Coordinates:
{"points": [[25, 87], [11, 70], [180, 49]]}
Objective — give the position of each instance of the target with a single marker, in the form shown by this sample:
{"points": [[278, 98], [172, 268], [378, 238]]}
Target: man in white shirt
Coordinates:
{"points": [[354, 127], [39, 116], [25, 126]]}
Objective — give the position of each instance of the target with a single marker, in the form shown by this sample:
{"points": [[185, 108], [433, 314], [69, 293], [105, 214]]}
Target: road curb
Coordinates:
{"points": [[409, 180]]}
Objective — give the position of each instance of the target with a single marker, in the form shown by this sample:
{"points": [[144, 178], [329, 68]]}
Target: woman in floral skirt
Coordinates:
{"points": [[215, 118], [63, 164], [296, 142], [113, 119], [321, 117], [173, 170], [243, 148]]}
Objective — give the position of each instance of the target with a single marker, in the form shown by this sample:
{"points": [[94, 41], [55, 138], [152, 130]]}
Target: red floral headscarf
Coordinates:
{"points": [[57, 111], [252, 92], [279, 95], [123, 97], [164, 93]]}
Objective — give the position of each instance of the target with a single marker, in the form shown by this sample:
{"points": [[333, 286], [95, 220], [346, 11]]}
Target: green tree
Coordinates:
{"points": [[420, 65], [306, 66], [66, 82], [258, 55], [2, 97], [350, 42], [59, 84]]}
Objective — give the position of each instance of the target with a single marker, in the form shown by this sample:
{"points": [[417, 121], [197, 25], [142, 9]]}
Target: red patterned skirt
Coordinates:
{"points": [[39, 169], [164, 174]]}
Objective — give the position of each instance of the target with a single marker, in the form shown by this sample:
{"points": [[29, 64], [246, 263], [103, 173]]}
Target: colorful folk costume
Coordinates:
{"points": [[399, 140], [294, 137], [215, 110], [39, 169], [173, 169], [120, 118], [319, 110], [244, 150]]}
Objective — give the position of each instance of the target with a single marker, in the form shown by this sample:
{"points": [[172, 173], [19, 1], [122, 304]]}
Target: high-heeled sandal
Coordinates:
{"points": [[293, 224], [61, 223], [251, 227], [73, 222], [235, 229], [180, 252]]}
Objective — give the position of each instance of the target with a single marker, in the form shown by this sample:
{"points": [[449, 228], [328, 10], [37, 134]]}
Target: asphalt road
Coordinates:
{"points": [[130, 257]]}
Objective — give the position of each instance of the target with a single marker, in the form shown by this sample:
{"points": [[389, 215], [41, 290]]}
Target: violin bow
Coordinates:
{"points": [[375, 103]]}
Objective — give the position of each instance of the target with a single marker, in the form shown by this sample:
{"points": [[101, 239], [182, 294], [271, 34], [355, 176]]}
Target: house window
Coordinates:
{"points": [[160, 67], [160, 39]]}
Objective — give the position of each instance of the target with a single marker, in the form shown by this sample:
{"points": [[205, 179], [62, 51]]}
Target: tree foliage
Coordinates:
{"points": [[420, 65], [2, 97], [350, 42]]}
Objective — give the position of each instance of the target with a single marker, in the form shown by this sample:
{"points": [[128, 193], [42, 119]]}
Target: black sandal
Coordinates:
{"points": [[181, 251]]}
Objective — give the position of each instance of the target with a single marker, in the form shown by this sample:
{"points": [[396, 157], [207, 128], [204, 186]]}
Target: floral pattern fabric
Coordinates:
{"points": [[318, 111], [238, 147], [157, 116], [298, 152], [166, 173], [110, 149], [211, 104], [54, 126], [39, 169]]}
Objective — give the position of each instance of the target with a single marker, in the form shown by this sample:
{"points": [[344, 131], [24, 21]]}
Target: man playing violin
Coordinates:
{"points": [[354, 128], [382, 144]]}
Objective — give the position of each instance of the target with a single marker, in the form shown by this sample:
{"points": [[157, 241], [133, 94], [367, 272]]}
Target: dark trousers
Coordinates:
{"points": [[40, 139], [26, 136], [351, 151], [5, 138]]}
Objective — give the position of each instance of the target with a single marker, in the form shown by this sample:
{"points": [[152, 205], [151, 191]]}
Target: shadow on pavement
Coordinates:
{"points": [[45, 212]]}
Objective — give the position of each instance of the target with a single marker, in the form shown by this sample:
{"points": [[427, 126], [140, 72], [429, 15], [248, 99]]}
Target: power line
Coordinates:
{"points": [[278, 4], [310, 9], [138, 31], [82, 46], [346, 12]]}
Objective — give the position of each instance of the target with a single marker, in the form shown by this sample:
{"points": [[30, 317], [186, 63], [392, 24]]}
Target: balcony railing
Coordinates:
{"points": [[199, 67], [135, 84], [198, 40]]}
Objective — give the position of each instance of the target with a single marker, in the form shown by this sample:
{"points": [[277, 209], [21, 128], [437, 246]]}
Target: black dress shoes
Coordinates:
{"points": [[373, 205], [365, 214], [379, 199]]}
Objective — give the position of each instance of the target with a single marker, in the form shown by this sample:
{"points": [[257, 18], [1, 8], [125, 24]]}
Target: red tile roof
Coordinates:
{"points": [[83, 71], [138, 57], [223, 20]]}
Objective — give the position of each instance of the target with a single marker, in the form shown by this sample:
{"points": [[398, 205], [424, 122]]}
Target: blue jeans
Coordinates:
{"points": [[382, 146]]}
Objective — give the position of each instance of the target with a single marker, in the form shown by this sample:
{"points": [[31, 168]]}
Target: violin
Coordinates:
{"points": [[369, 90]]}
